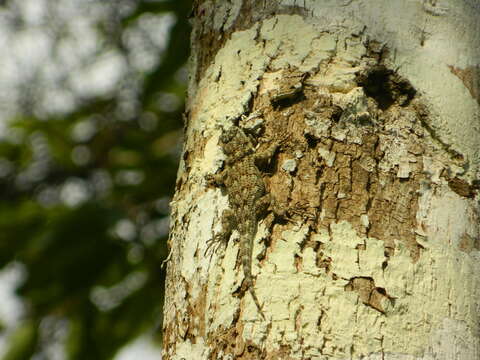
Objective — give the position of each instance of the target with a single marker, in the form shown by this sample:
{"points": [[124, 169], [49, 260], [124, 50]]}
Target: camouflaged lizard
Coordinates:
{"points": [[246, 195]]}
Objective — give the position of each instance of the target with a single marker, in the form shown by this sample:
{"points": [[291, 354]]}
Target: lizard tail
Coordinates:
{"points": [[247, 271], [255, 299]]}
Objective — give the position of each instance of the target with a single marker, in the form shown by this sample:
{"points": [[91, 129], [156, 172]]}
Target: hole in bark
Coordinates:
{"points": [[311, 141], [336, 113], [386, 87]]}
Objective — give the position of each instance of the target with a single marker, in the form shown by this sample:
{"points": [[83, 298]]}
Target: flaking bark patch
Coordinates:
{"points": [[209, 38], [468, 243], [369, 294], [462, 188], [229, 341], [359, 155], [470, 77]]}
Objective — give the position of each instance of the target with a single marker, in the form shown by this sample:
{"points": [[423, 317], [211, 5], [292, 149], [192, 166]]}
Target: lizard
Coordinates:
{"points": [[246, 192]]}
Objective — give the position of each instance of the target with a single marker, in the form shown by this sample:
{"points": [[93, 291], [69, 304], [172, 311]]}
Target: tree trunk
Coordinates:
{"points": [[369, 246]]}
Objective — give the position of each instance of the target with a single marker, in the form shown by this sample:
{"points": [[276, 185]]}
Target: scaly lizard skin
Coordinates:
{"points": [[246, 195]]}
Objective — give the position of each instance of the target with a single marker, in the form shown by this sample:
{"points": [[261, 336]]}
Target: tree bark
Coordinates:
{"points": [[370, 246]]}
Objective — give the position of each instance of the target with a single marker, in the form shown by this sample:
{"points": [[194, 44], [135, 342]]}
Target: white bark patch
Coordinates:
{"points": [[287, 49], [188, 350], [227, 86], [212, 152], [289, 165], [226, 282], [325, 154], [200, 228]]}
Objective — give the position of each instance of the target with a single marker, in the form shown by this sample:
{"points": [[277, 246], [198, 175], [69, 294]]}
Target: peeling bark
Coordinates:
{"points": [[370, 247]]}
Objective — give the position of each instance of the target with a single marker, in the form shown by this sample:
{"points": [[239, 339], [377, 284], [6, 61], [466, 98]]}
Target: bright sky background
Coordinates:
{"points": [[69, 68]]}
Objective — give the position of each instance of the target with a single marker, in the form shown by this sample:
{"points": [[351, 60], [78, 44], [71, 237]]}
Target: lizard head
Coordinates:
{"points": [[234, 141], [228, 135]]}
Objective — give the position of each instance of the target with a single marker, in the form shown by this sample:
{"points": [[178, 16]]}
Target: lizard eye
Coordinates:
{"points": [[227, 136], [223, 138]]}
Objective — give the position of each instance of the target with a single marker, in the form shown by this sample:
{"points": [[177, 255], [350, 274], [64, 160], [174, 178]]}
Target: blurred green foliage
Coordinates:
{"points": [[84, 193]]}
